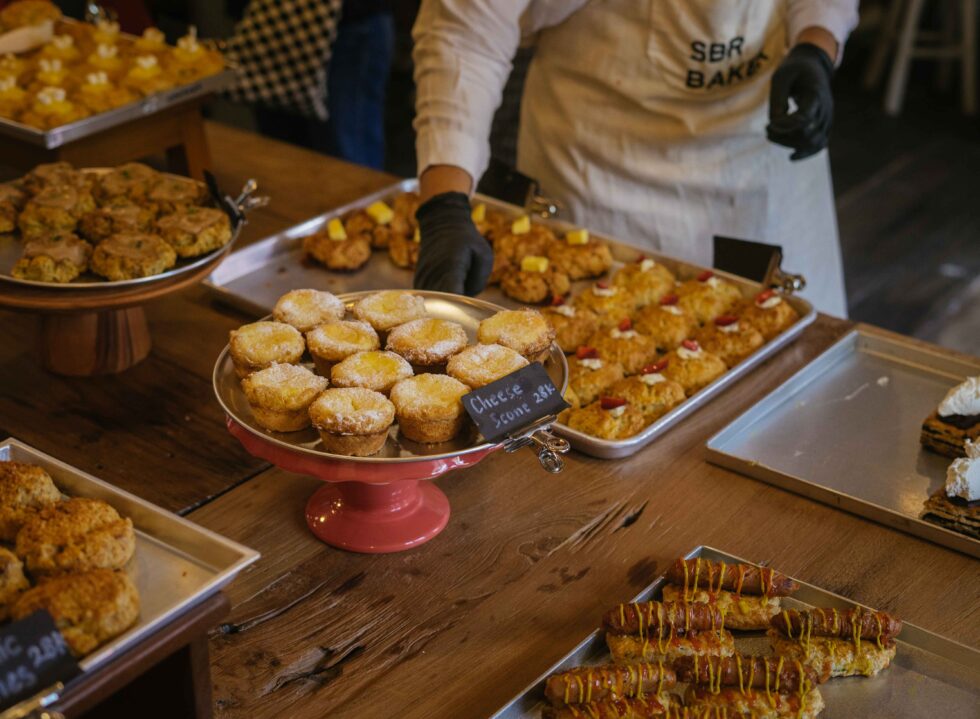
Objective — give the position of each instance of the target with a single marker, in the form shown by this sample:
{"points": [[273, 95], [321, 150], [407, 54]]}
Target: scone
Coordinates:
{"points": [[352, 421], [119, 214], [525, 331], [132, 180], [955, 421], [580, 256], [376, 224], [128, 255], [89, 608], [170, 193], [404, 251], [55, 209], [57, 174], [646, 280], [390, 308], [193, 231], [770, 314], [708, 296], [652, 393], [335, 341], [280, 396], [533, 281], [589, 375], [25, 489], [626, 346], [520, 239], [12, 199], [259, 345], [308, 309], [75, 535], [666, 323], [606, 418], [427, 343], [692, 367], [729, 338], [12, 581], [374, 370], [428, 407], [482, 364], [611, 303], [573, 325], [55, 258]]}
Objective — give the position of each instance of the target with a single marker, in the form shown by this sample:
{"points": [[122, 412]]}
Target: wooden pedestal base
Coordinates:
{"points": [[94, 343]]}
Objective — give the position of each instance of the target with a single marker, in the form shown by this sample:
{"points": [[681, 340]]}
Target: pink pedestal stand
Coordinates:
{"points": [[371, 507]]}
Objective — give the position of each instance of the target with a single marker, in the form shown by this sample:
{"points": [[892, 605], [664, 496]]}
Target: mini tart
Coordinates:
{"points": [[732, 342], [611, 304], [386, 310], [427, 342], [118, 215], [771, 315], [171, 193], [59, 258], [653, 394], [127, 255], [693, 370], [56, 208], [428, 407], [193, 231], [375, 370], [667, 325], [280, 396], [335, 341], [618, 423], [258, 345], [708, 298], [308, 309], [628, 348], [341, 255], [352, 421], [590, 377], [534, 287], [525, 331], [572, 325], [133, 180], [646, 280], [580, 262], [482, 364]]}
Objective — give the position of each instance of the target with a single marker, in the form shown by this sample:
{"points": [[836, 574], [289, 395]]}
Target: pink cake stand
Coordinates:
{"points": [[382, 503]]}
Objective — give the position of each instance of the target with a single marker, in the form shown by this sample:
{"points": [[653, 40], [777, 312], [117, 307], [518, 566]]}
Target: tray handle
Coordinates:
{"points": [[548, 447], [237, 208], [787, 281]]}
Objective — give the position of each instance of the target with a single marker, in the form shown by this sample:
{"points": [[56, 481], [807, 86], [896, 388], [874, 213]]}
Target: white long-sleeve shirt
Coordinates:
{"points": [[463, 52]]}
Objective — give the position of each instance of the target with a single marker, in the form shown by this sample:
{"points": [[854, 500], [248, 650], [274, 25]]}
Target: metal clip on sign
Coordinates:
{"points": [[548, 447], [236, 208], [36, 706]]}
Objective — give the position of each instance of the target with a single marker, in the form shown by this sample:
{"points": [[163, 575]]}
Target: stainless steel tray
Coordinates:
{"points": [[253, 278], [93, 124], [177, 563], [844, 430], [930, 676]]}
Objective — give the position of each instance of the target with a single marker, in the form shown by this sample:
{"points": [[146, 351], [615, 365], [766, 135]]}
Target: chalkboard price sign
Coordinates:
{"points": [[33, 656], [513, 402]]}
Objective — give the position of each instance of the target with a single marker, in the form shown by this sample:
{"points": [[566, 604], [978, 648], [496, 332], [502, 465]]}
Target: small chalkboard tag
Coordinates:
{"points": [[513, 402], [33, 656]]}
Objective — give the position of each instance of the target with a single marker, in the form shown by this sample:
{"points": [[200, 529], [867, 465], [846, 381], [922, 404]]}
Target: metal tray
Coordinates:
{"points": [[467, 311], [253, 278], [177, 563], [844, 430], [93, 124], [930, 676]]}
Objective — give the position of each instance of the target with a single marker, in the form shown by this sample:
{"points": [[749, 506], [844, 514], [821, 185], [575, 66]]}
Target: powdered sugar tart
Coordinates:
{"points": [[453, 310]]}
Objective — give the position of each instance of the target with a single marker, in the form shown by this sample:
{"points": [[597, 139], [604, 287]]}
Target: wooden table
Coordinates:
{"points": [[528, 562]]}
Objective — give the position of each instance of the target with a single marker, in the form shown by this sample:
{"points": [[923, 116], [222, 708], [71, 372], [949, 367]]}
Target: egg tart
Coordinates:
{"points": [[307, 309], [375, 370], [692, 367], [258, 345], [769, 313], [335, 341], [193, 231], [352, 421], [53, 258], [625, 346], [427, 343], [646, 280], [281, 394], [666, 323], [573, 325], [482, 364], [428, 407], [128, 255], [525, 331], [611, 303], [708, 296], [730, 338], [390, 308], [589, 375]]}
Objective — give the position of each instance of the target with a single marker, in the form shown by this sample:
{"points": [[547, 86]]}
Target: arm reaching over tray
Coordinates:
{"points": [[609, 681]]}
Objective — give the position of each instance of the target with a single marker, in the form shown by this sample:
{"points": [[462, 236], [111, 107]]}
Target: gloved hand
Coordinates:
{"points": [[454, 257], [803, 75]]}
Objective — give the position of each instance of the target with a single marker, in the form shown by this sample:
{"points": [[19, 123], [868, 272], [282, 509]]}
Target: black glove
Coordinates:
{"points": [[454, 257], [803, 75]]}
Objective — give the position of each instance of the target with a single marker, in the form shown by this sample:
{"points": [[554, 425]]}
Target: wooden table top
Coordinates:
{"points": [[528, 562]]}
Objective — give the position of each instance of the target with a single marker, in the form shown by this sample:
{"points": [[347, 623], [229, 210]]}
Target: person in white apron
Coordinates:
{"points": [[653, 121]]}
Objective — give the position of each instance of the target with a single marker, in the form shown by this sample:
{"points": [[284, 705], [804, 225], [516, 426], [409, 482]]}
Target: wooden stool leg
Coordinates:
{"points": [[94, 343], [886, 37], [895, 94], [969, 57], [192, 157]]}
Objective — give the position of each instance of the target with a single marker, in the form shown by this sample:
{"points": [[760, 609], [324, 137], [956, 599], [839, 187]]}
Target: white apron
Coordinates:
{"points": [[646, 118]]}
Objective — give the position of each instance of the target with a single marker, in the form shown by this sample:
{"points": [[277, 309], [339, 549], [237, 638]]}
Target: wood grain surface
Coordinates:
{"points": [[528, 562]]}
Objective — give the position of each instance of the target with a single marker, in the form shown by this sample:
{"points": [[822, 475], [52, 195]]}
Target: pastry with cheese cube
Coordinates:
{"points": [[258, 345], [647, 280], [589, 375], [511, 247], [280, 396], [649, 391], [490, 223], [708, 296], [769, 313], [730, 338], [51, 108], [97, 93], [403, 226], [12, 199], [333, 342], [606, 418], [428, 407], [53, 258], [625, 345], [375, 224], [404, 251], [352, 421], [534, 280], [692, 367], [666, 322], [118, 214], [525, 331], [481, 364], [573, 325], [387, 309], [375, 370], [610, 303], [194, 231], [132, 180], [308, 309], [427, 343], [171, 193], [580, 256], [55, 209], [331, 247]]}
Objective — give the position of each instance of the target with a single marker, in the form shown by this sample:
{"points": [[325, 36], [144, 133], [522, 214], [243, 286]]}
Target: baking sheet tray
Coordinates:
{"points": [[844, 430], [253, 278], [931, 676], [93, 124], [176, 565]]}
